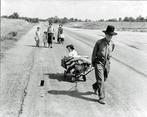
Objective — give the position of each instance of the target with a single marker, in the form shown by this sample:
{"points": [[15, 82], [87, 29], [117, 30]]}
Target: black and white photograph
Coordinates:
{"points": [[73, 58]]}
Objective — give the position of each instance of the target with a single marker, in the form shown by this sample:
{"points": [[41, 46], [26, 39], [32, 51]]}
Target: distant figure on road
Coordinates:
{"points": [[101, 61], [50, 35], [45, 38], [60, 35], [37, 36]]}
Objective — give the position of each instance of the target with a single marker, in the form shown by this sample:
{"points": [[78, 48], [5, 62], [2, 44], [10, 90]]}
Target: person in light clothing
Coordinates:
{"points": [[37, 36], [72, 51]]}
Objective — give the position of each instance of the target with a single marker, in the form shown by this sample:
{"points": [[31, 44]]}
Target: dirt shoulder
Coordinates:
{"points": [[11, 31], [16, 67]]}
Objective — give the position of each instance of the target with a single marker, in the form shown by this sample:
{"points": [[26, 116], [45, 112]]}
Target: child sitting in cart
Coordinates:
{"points": [[75, 60]]}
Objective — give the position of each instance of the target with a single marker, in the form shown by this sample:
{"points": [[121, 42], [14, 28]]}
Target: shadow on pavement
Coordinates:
{"points": [[36, 46], [75, 93], [58, 76]]}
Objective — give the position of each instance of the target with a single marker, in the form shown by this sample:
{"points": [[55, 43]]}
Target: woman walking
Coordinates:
{"points": [[50, 35]]}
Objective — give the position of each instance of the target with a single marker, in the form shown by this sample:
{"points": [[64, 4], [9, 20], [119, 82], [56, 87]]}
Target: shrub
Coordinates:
{"points": [[13, 34], [14, 15], [32, 20]]}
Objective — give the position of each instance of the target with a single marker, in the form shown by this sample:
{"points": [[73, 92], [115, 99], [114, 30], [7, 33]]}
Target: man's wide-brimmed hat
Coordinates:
{"points": [[110, 30], [71, 46]]}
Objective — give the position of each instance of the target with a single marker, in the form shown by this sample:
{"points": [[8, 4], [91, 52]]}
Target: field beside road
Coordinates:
{"points": [[11, 31], [121, 26], [24, 66]]}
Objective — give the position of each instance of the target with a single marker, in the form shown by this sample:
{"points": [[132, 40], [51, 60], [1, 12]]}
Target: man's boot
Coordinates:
{"points": [[101, 101]]}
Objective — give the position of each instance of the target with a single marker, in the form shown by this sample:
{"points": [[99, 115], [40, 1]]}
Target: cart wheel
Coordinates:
{"points": [[84, 78], [73, 79]]}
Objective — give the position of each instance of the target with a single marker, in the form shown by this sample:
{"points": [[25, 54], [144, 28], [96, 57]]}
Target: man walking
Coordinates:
{"points": [[101, 61]]}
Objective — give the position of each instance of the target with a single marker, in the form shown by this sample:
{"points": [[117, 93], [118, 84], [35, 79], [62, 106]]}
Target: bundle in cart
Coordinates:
{"points": [[76, 67]]}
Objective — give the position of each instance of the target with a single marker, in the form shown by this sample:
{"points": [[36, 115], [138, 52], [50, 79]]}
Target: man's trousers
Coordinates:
{"points": [[100, 78]]}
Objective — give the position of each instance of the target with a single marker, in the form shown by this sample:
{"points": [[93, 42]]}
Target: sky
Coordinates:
{"points": [[81, 9]]}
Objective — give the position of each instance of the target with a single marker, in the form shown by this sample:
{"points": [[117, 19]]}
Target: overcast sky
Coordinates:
{"points": [[91, 9]]}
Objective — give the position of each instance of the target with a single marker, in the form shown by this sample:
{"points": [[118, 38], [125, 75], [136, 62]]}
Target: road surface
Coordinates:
{"points": [[25, 65]]}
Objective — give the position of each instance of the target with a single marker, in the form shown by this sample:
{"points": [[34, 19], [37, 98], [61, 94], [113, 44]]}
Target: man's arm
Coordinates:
{"points": [[47, 33], [113, 46], [94, 53], [53, 30], [58, 32]]}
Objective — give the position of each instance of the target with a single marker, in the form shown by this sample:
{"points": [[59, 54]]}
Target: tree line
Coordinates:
{"points": [[15, 15], [64, 20], [126, 19]]}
